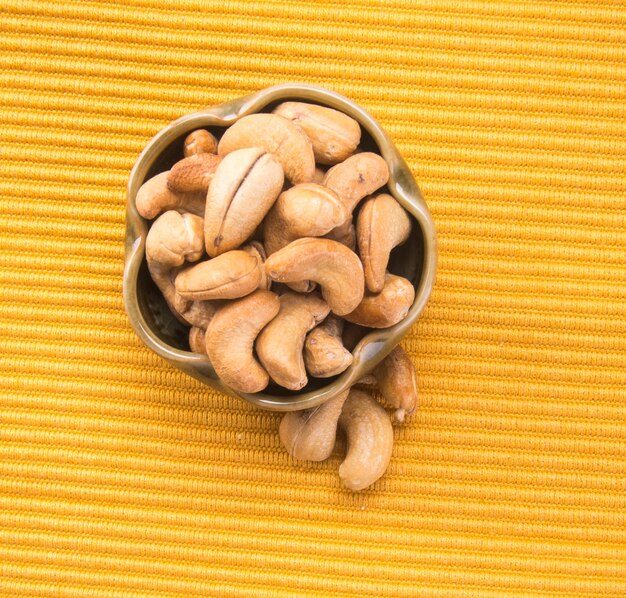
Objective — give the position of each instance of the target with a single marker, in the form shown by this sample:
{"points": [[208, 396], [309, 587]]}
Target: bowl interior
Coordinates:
{"points": [[406, 260], [164, 334]]}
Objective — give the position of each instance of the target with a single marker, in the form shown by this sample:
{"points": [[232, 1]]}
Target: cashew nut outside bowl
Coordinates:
{"points": [[158, 328]]}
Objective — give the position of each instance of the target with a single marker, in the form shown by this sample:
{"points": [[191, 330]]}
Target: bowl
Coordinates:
{"points": [[156, 326]]}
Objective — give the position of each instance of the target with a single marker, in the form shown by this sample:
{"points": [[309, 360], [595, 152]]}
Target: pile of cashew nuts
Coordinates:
{"points": [[258, 246]]}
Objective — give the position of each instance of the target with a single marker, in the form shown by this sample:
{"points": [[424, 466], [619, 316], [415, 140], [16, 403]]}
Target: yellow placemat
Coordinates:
{"points": [[120, 476]]}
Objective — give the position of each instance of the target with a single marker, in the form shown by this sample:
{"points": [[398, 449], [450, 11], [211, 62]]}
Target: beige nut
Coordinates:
{"points": [[193, 174], [382, 224], [244, 188], [279, 345], [197, 342], [230, 275], [318, 175], [256, 249], [370, 440], [334, 135], [199, 141], [324, 353], [200, 313], [230, 340], [358, 176], [345, 234], [278, 136], [154, 197], [333, 266], [397, 381], [175, 238], [310, 435], [305, 210], [386, 308]]}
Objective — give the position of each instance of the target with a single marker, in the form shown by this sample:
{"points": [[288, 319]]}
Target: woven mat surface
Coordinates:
{"points": [[120, 476]]}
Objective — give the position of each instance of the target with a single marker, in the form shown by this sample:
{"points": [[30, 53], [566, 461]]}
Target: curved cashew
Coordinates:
{"points": [[244, 187], [370, 439], [199, 141], [277, 135], [324, 353], [154, 197], [230, 275], [305, 210], [193, 174], [386, 308], [334, 135], [310, 435], [397, 381], [333, 266], [197, 342], [382, 224], [279, 345], [356, 177], [230, 340]]}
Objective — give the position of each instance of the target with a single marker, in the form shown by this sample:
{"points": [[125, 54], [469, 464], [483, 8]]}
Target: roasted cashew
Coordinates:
{"points": [[277, 135], [197, 342], [382, 224], [397, 381], [154, 197], [370, 439], [244, 187], [175, 238], [333, 266], [230, 340], [193, 174], [305, 210], [358, 176], [199, 141], [334, 135], [310, 435], [279, 345], [230, 275], [386, 308], [324, 353]]}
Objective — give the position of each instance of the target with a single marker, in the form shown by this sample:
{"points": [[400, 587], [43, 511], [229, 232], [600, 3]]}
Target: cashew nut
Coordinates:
{"points": [[230, 275], [318, 175], [333, 266], [310, 435], [334, 135], [397, 381], [386, 308], [197, 342], [382, 224], [175, 238], [154, 197], [279, 345], [230, 340], [305, 210], [244, 187], [277, 135], [356, 177], [370, 439], [199, 141], [324, 353], [193, 174], [344, 233]]}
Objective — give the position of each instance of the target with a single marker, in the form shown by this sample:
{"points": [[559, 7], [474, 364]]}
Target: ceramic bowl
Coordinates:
{"points": [[148, 313]]}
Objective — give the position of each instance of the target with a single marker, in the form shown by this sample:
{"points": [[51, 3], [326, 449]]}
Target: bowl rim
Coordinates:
{"points": [[375, 345]]}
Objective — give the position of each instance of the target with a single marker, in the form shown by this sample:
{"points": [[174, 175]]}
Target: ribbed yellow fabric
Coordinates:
{"points": [[120, 476]]}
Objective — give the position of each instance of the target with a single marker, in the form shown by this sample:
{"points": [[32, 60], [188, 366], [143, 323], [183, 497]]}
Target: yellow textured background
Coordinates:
{"points": [[122, 477]]}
